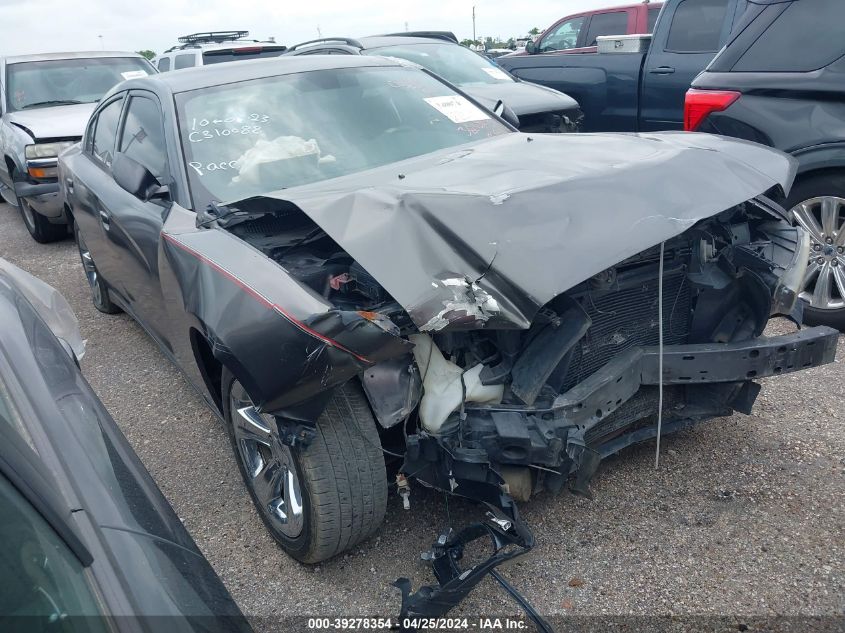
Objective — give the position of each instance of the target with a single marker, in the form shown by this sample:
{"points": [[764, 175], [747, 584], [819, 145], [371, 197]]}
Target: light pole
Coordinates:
{"points": [[101, 42], [473, 25]]}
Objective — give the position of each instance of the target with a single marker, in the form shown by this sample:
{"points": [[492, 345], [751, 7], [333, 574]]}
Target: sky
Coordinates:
{"points": [[37, 26]]}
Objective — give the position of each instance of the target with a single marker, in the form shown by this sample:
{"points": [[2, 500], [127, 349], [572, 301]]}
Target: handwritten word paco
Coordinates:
{"points": [[221, 166]]}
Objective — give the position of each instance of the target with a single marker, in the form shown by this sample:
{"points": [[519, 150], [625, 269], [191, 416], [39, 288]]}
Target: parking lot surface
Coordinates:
{"points": [[746, 515]]}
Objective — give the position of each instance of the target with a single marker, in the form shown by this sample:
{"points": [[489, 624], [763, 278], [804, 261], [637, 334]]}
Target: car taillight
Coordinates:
{"points": [[700, 103], [246, 50]]}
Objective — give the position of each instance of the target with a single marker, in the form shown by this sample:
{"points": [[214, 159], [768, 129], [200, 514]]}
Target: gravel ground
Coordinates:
{"points": [[746, 515]]}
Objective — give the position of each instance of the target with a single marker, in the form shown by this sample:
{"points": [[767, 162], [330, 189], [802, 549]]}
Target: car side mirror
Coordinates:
{"points": [[531, 47], [506, 113], [133, 177]]}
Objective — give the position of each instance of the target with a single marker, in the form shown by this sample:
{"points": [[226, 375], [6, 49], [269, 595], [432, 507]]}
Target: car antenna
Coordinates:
{"points": [[659, 355]]}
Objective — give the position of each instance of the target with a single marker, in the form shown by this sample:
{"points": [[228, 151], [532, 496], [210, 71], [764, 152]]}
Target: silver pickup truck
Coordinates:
{"points": [[45, 101]]}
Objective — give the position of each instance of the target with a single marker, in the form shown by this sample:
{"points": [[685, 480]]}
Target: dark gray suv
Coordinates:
{"points": [[779, 82]]}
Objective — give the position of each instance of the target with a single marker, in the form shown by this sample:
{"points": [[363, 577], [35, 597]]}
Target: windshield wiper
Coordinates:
{"points": [[38, 104]]}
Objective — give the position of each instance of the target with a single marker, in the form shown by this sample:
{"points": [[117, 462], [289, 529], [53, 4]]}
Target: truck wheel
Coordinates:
{"points": [[38, 226], [99, 288], [817, 204], [316, 501]]}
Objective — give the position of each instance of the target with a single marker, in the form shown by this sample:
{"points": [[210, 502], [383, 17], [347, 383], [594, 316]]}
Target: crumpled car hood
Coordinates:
{"points": [[484, 235], [522, 97], [67, 121]]}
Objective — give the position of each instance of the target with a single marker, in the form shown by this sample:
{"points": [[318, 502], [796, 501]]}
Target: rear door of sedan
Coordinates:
{"points": [[123, 228]]}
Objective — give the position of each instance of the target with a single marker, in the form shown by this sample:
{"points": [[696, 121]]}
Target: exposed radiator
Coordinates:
{"points": [[627, 318]]}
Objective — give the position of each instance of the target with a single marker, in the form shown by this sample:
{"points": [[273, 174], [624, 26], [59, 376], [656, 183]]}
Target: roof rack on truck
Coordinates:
{"points": [[211, 37]]}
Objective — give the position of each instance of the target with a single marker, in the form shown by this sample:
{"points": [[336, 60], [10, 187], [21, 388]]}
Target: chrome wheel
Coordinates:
{"points": [[824, 219], [269, 464]]}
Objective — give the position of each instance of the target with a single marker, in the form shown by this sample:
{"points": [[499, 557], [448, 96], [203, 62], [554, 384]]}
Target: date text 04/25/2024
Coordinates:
{"points": [[417, 623]]}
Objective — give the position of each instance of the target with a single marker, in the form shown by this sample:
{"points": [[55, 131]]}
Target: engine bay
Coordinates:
{"points": [[719, 278]]}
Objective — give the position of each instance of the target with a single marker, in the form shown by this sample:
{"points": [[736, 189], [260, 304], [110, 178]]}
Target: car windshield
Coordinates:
{"points": [[456, 64], [41, 84], [254, 137]]}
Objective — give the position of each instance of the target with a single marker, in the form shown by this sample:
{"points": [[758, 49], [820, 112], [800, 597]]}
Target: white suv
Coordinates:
{"points": [[199, 49]]}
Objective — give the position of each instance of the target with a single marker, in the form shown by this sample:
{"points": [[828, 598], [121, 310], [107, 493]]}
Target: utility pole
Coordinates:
{"points": [[319, 32], [406, 27], [473, 26]]}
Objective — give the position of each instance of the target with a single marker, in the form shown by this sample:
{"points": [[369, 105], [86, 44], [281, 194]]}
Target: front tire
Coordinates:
{"points": [[39, 227], [317, 501], [817, 204]]}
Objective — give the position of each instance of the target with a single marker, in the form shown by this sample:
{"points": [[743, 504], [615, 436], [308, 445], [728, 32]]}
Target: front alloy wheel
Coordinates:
{"points": [[317, 500], [268, 464]]}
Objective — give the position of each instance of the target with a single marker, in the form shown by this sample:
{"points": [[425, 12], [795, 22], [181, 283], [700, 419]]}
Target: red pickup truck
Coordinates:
{"points": [[577, 33]]}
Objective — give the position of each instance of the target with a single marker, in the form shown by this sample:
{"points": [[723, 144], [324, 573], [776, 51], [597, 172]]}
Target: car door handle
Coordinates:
{"points": [[662, 70], [69, 184]]}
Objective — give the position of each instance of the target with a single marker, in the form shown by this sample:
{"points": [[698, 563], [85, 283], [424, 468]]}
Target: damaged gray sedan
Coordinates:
{"points": [[349, 260]]}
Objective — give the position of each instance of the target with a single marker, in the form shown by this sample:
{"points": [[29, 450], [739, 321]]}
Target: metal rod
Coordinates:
{"points": [[530, 611], [659, 356]]}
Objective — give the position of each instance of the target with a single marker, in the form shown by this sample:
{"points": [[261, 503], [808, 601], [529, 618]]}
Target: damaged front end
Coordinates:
{"points": [[513, 413], [541, 406], [497, 415], [509, 341]]}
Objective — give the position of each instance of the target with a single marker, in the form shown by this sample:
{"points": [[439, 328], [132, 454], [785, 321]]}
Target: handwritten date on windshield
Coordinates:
{"points": [[205, 129]]}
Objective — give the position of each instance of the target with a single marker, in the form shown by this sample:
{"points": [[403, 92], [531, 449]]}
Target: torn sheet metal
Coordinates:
{"points": [[517, 237], [469, 302]]}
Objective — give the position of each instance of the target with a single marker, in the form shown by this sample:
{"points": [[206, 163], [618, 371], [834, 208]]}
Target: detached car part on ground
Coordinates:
{"points": [[87, 540], [389, 278], [530, 107], [45, 102]]}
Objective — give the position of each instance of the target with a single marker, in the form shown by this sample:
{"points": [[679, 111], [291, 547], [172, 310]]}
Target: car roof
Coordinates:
{"points": [[205, 46], [376, 41], [39, 57], [233, 72], [215, 46], [370, 42], [621, 7]]}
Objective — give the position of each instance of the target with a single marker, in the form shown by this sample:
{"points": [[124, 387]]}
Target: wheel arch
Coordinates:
{"points": [[819, 172], [12, 168], [11, 165], [210, 367], [213, 359], [817, 159]]}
